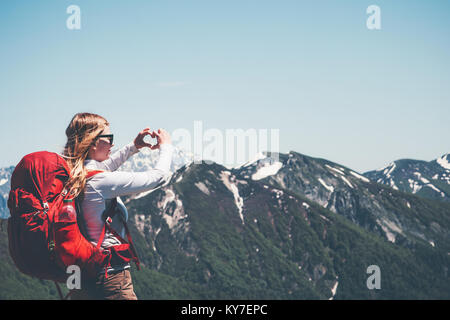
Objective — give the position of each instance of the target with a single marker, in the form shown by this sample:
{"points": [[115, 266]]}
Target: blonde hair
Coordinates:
{"points": [[81, 134]]}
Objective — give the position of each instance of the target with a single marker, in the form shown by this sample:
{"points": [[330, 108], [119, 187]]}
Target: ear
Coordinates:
{"points": [[92, 150], [94, 146]]}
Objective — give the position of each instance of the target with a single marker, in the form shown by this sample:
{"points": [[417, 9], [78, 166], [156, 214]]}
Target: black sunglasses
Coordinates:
{"points": [[109, 136]]}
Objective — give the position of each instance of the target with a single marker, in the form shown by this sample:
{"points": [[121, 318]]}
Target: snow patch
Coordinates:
{"points": [[279, 193], [334, 289], [359, 176], [426, 182], [443, 161], [171, 218], [337, 170], [433, 187], [203, 188], [267, 170], [414, 185], [392, 184], [329, 188], [347, 182], [387, 172], [389, 228], [3, 181], [225, 176], [143, 194]]}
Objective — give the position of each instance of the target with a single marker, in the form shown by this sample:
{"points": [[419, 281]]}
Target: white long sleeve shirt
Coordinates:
{"points": [[111, 184]]}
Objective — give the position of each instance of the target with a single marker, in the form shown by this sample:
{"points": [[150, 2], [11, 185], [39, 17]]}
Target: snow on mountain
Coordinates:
{"points": [[444, 161], [230, 182], [359, 176], [146, 159], [5, 176], [267, 170], [357, 197], [429, 179]]}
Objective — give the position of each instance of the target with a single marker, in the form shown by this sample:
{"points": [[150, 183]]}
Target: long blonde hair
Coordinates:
{"points": [[81, 134]]}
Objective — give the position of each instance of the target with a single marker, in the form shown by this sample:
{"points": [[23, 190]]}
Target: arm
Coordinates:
{"points": [[115, 184], [119, 157]]}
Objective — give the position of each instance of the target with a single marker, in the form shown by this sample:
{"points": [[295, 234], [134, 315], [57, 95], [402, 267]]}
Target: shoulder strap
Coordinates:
{"points": [[110, 211], [132, 249], [80, 218], [91, 173]]}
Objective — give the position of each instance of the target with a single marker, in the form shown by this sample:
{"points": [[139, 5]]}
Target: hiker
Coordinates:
{"points": [[88, 149]]}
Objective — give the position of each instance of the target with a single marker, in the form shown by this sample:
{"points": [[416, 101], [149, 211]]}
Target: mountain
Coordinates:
{"points": [[230, 237], [146, 159], [295, 227], [398, 216], [5, 185], [426, 179]]}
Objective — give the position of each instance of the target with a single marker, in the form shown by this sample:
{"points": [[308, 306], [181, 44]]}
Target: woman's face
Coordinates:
{"points": [[101, 150]]}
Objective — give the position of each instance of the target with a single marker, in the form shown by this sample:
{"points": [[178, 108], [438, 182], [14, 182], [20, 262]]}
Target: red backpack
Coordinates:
{"points": [[39, 244]]}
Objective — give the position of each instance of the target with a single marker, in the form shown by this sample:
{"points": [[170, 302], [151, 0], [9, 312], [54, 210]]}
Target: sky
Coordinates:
{"points": [[311, 69]]}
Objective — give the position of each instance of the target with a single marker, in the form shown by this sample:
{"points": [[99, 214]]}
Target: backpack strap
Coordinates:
{"points": [[129, 242], [106, 216], [91, 173], [110, 212]]}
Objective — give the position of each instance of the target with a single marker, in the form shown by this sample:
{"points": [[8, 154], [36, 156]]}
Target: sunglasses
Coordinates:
{"points": [[109, 136]]}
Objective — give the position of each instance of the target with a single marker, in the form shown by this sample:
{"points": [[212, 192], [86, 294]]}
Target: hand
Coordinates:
{"points": [[162, 136], [139, 141]]}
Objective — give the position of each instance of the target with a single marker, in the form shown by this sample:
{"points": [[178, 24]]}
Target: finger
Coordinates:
{"points": [[155, 147], [145, 131]]}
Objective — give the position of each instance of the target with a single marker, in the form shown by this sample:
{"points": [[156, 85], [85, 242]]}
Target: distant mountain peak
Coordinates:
{"points": [[428, 179], [444, 161]]}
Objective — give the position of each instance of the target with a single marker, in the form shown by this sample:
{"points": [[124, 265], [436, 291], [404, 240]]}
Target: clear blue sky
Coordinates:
{"points": [[312, 69]]}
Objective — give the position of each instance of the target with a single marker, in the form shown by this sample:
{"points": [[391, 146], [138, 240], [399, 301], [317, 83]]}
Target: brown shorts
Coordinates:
{"points": [[118, 286]]}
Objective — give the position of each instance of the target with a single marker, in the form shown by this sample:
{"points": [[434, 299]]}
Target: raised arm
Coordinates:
{"points": [[115, 184], [119, 157], [122, 155]]}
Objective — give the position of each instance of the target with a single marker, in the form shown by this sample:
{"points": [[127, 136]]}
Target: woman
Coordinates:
{"points": [[88, 148]]}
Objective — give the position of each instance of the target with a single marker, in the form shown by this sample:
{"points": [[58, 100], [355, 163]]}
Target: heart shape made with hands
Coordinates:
{"points": [[151, 139]]}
